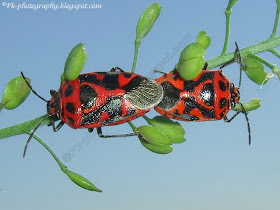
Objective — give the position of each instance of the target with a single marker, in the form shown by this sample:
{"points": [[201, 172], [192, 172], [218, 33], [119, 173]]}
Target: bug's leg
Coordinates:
{"points": [[90, 130], [236, 58], [116, 68], [31, 135], [247, 119], [100, 134], [205, 66], [159, 71], [230, 119], [58, 126]]}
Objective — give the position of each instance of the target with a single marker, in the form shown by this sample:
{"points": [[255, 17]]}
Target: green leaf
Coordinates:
{"points": [[165, 121], [173, 130], [74, 63], [191, 61], [82, 181], [193, 50], [159, 149], [191, 68], [203, 39], [154, 140], [147, 20], [15, 93], [153, 135], [255, 70]]}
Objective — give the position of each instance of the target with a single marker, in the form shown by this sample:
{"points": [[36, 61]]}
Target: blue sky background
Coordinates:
{"points": [[214, 169]]}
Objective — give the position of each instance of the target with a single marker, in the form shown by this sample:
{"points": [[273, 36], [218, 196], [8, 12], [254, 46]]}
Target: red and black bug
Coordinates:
{"points": [[209, 96], [98, 99]]}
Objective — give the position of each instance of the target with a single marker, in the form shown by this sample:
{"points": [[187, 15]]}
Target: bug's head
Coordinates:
{"points": [[53, 104], [234, 95]]}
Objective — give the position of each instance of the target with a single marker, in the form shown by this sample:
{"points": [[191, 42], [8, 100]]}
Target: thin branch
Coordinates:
{"points": [[254, 49], [275, 52], [274, 30]]}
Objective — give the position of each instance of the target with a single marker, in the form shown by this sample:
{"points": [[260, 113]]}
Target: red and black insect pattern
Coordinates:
{"points": [[98, 99], [209, 96]]}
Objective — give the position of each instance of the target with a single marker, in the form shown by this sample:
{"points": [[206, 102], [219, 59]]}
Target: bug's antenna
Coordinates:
{"points": [[241, 64], [237, 58], [248, 123], [31, 135], [33, 91]]}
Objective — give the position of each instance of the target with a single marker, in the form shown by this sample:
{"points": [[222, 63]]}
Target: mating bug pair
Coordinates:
{"points": [[98, 99]]}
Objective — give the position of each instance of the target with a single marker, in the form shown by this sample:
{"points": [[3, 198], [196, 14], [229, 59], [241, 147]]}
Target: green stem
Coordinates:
{"points": [[254, 49], [132, 126], [22, 127], [1, 106], [275, 52], [274, 30], [62, 167], [136, 49], [228, 16]]}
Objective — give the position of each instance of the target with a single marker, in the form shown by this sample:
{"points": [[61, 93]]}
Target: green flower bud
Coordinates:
{"points": [[193, 50], [203, 39], [154, 140], [82, 181], [147, 20], [253, 104], [167, 121], [255, 70], [75, 62], [230, 4], [191, 68], [173, 130], [191, 61], [15, 93]]}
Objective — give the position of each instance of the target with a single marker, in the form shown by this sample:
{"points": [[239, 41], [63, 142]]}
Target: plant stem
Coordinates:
{"points": [[62, 167], [254, 49], [274, 30], [22, 127], [228, 16], [132, 126], [136, 49], [275, 52]]}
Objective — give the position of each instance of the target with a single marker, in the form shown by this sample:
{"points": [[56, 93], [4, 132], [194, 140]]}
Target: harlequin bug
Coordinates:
{"points": [[98, 99], [209, 96]]}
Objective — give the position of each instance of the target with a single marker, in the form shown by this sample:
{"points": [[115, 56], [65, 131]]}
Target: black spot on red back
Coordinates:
{"points": [[87, 96], [171, 96], [68, 91], [134, 83], [70, 107], [191, 104], [223, 103], [191, 85], [127, 75], [222, 86], [109, 82]]}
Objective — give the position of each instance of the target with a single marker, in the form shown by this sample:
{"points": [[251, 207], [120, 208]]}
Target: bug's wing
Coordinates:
{"points": [[145, 95]]}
